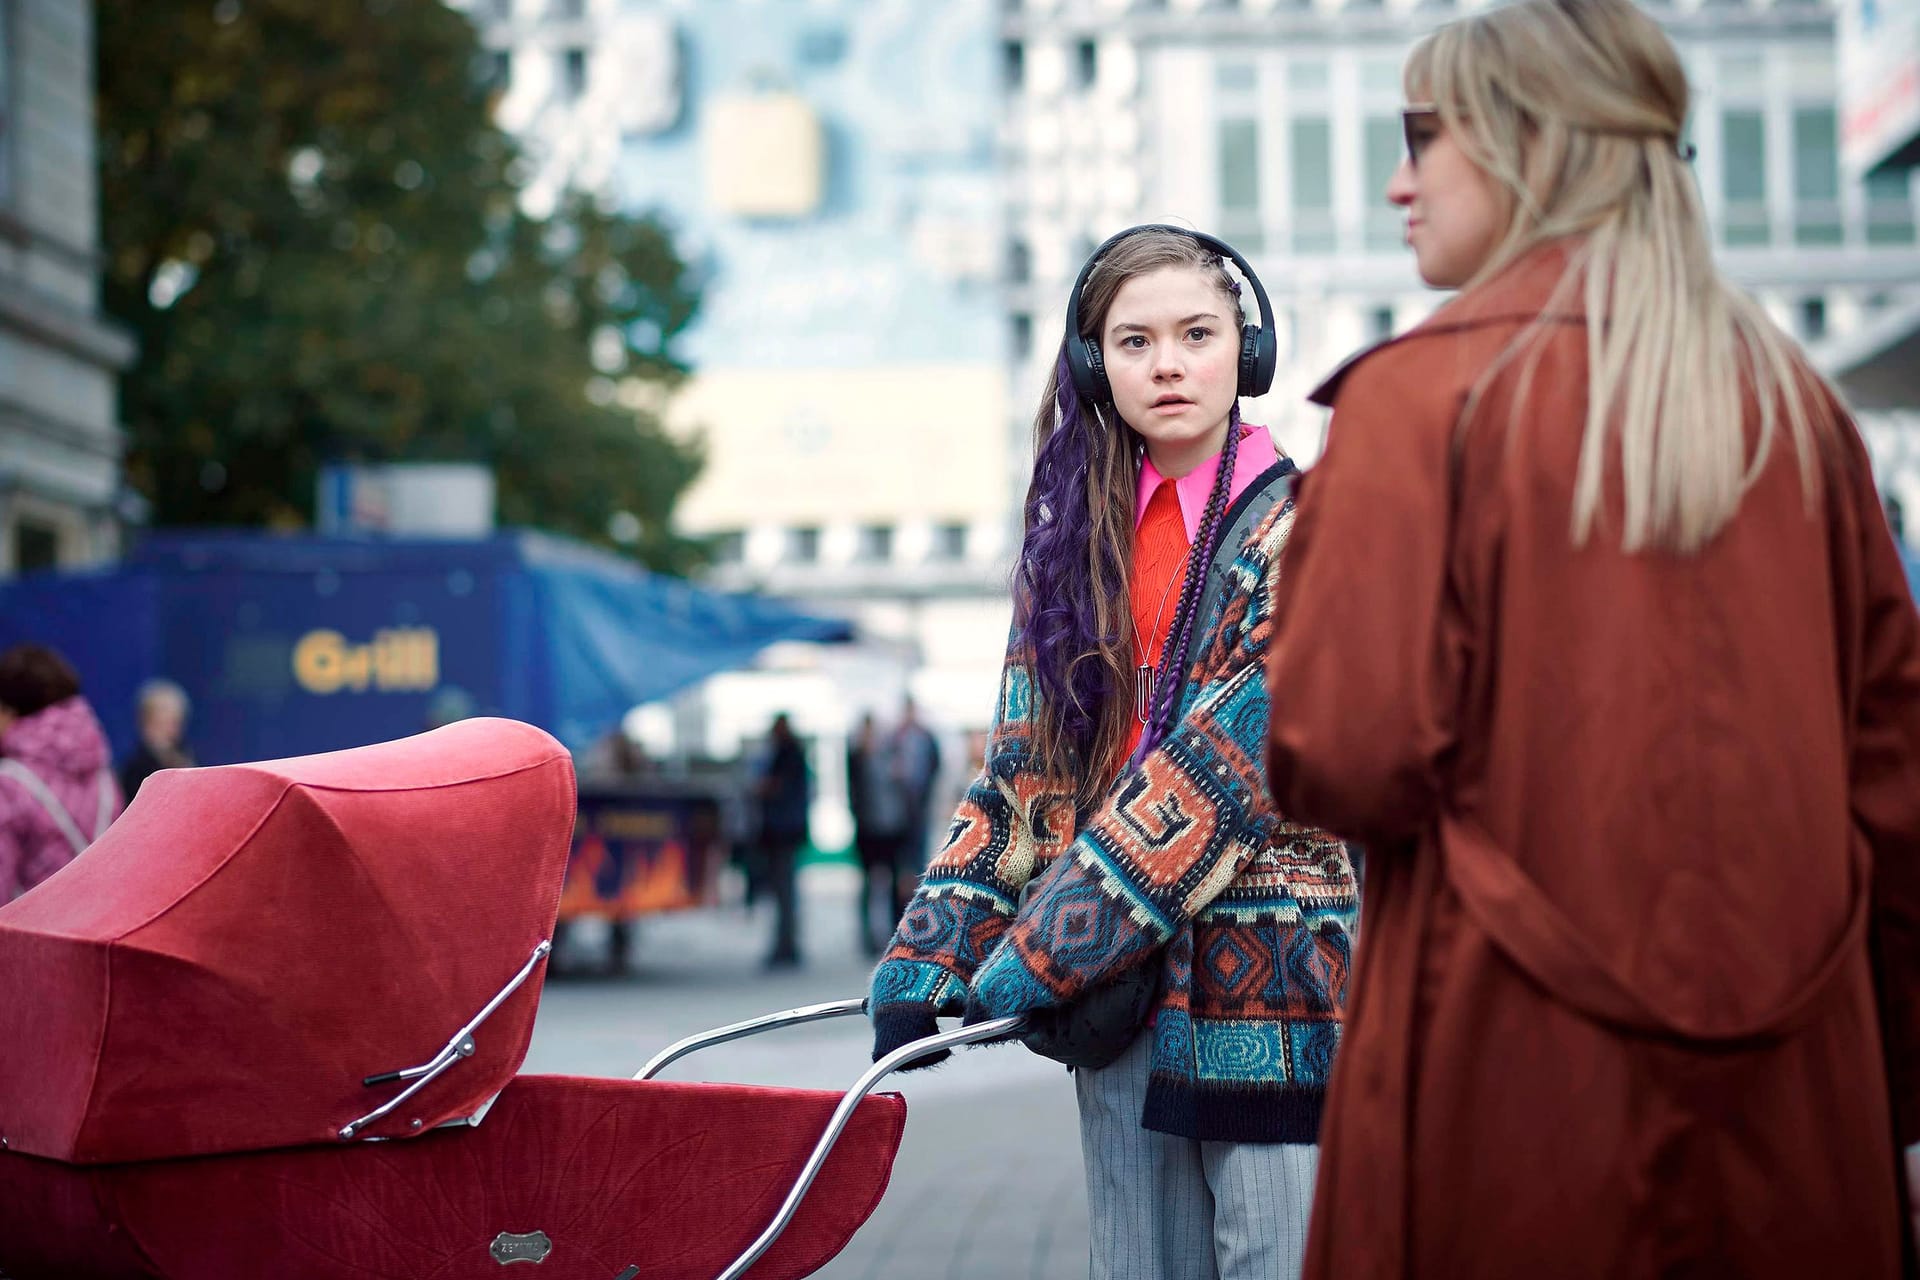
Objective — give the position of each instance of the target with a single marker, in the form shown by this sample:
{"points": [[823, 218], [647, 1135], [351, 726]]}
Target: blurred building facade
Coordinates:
{"points": [[892, 199], [61, 444], [1276, 124], [1879, 57], [832, 168]]}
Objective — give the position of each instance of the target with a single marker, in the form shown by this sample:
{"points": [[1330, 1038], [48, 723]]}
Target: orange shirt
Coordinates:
{"points": [[1160, 549], [1166, 520]]}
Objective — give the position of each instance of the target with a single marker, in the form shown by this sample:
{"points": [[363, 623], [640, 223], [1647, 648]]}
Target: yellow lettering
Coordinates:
{"points": [[317, 659], [427, 676], [397, 660], [358, 667], [389, 660]]}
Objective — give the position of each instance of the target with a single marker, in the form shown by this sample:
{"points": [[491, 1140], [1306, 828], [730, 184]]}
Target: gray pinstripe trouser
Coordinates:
{"points": [[1167, 1208]]}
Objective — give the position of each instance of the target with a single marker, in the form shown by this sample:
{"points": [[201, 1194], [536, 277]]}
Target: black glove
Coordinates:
{"points": [[895, 1025]]}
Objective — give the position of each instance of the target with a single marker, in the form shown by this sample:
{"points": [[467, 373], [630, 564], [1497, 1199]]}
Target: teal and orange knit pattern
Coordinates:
{"points": [[1185, 864]]}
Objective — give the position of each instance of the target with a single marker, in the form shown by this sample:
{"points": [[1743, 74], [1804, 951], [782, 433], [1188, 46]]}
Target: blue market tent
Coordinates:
{"points": [[295, 644]]}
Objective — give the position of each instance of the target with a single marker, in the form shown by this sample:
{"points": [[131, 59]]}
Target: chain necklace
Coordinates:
{"points": [[1143, 674]]}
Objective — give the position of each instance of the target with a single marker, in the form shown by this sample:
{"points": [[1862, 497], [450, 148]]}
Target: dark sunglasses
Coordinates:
{"points": [[1421, 124]]}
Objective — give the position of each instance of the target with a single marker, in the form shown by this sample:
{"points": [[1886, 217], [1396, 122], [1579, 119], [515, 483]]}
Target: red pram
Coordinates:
{"points": [[207, 1018]]}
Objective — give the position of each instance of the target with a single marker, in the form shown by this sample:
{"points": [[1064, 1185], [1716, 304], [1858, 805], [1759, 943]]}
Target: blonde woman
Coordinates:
{"points": [[1592, 629]]}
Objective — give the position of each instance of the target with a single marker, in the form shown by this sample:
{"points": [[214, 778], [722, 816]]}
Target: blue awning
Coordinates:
{"points": [[290, 644]]}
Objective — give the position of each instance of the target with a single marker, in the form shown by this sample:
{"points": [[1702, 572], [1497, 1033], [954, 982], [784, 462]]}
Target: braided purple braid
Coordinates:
{"points": [[1169, 677]]}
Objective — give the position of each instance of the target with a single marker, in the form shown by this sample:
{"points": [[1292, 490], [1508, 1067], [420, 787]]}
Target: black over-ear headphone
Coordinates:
{"points": [[1259, 348]]}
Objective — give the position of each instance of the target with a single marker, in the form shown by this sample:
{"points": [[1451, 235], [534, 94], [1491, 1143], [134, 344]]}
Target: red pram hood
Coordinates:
{"points": [[220, 971]]}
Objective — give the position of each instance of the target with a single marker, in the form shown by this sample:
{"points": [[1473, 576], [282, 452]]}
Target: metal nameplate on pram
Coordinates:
{"points": [[508, 1248]]}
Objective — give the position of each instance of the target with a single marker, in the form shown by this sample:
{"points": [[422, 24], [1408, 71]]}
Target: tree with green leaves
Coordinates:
{"points": [[312, 226]]}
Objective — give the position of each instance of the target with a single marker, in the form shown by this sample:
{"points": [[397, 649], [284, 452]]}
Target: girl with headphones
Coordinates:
{"points": [[1118, 873]]}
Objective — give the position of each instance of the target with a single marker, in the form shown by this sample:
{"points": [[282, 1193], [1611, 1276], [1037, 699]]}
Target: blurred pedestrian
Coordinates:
{"points": [[57, 789], [784, 790], [916, 766], [614, 763], [1592, 629], [878, 804], [1117, 874], [160, 713]]}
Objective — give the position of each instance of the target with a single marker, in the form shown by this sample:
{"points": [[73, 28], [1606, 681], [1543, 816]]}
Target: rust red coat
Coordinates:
{"points": [[1632, 823]]}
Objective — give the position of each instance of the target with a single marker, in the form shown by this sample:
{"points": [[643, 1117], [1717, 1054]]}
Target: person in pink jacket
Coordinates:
{"points": [[57, 789]]}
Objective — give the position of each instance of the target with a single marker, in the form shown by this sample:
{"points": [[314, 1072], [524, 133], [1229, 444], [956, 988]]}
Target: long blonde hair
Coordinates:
{"points": [[1577, 107]]}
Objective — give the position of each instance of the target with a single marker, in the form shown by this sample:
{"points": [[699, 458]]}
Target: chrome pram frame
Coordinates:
{"points": [[996, 1029]]}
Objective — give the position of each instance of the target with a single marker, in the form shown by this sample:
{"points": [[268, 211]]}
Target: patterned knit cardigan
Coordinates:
{"points": [[1185, 864]]}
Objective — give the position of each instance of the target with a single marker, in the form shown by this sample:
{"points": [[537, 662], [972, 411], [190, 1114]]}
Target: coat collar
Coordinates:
{"points": [[1520, 292]]}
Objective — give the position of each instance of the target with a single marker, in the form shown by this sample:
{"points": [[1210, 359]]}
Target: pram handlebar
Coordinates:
{"points": [[752, 1026], [937, 1043]]}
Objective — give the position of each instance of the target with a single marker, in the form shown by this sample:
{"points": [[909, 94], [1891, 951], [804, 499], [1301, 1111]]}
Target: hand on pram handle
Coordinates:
{"points": [[902, 1026], [917, 984], [897, 1025], [907, 997]]}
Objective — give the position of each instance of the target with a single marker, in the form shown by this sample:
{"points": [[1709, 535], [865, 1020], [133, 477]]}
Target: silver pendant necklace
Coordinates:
{"points": [[1143, 674]]}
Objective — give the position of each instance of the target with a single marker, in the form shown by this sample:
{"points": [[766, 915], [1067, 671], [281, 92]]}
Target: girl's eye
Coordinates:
{"points": [[1133, 341], [1199, 334]]}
